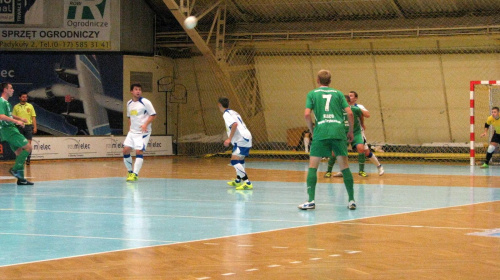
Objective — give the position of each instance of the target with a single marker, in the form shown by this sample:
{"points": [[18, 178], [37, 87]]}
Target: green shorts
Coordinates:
{"points": [[12, 136], [358, 139], [324, 148]]}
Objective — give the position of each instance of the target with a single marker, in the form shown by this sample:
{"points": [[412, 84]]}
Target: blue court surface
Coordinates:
{"points": [[58, 219]]}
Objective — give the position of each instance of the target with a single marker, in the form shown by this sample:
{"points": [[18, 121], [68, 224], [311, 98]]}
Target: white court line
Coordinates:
{"points": [[252, 269], [411, 226], [156, 215], [274, 230], [82, 237], [195, 200], [352, 252], [7, 178]]}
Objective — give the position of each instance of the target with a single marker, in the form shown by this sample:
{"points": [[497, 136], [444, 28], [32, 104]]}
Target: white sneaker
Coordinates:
{"points": [[380, 170], [352, 205], [307, 205], [338, 174]]}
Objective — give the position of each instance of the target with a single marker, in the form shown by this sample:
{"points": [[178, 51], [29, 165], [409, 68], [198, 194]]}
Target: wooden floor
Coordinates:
{"points": [[449, 242]]}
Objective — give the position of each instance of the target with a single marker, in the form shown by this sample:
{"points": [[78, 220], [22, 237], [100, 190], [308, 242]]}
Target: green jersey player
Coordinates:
{"points": [[329, 135], [10, 133]]}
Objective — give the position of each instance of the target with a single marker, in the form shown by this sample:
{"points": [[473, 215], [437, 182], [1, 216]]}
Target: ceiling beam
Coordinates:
{"points": [[397, 8], [217, 64]]}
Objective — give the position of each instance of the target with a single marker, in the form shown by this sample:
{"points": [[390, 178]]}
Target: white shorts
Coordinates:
{"points": [[137, 141], [364, 139], [241, 151]]}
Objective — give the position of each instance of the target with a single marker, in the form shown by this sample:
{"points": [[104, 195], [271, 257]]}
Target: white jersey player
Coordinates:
{"points": [[141, 114], [241, 139]]}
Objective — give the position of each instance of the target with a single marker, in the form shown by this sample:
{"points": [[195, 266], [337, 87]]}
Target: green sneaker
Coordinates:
{"points": [[246, 186], [234, 183], [328, 174], [362, 174], [485, 165]]}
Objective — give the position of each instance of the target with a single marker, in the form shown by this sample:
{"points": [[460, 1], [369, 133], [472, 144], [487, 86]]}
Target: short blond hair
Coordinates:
{"points": [[324, 77]]}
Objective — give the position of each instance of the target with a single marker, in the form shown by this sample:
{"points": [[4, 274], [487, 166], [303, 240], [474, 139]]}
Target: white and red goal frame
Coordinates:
{"points": [[472, 137]]}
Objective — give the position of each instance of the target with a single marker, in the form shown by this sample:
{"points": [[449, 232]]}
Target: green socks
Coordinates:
{"points": [[20, 159], [331, 163], [312, 179], [349, 183], [361, 160]]}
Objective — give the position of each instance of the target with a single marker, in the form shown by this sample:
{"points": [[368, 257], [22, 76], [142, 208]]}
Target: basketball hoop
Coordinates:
{"points": [[166, 84]]}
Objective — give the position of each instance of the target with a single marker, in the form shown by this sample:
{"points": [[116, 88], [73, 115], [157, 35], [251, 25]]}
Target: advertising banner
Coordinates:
{"points": [[21, 12], [93, 147], [86, 26], [72, 94]]}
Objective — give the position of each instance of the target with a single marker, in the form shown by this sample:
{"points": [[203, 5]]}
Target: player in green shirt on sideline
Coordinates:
{"points": [[329, 134], [9, 132], [25, 110]]}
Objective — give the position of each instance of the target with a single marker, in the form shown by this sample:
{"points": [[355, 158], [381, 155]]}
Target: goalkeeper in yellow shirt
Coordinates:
{"points": [[493, 120]]}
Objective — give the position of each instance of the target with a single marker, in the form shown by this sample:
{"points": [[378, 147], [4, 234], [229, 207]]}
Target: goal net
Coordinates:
{"points": [[484, 95], [418, 113]]}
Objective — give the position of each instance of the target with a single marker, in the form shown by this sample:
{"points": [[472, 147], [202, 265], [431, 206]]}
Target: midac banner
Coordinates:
{"points": [[93, 147]]}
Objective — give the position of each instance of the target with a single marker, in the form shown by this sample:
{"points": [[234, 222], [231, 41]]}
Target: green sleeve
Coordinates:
{"points": [[3, 109], [309, 102]]}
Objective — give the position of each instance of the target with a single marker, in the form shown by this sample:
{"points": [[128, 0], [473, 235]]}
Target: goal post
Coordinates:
{"points": [[473, 90]]}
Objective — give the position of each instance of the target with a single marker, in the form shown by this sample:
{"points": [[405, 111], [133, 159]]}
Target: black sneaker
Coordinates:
{"points": [[15, 173], [24, 182]]}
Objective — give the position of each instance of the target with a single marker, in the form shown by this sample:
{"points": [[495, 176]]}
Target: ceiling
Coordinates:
{"points": [[306, 19]]}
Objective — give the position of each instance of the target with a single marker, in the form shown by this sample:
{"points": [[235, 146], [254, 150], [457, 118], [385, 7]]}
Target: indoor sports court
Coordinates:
{"points": [[180, 220], [427, 72]]}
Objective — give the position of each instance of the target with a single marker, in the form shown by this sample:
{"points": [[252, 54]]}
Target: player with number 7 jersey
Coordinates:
{"points": [[328, 106], [329, 116]]}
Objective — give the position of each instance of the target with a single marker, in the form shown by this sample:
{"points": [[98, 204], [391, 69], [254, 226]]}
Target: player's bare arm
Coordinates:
{"points": [[231, 134], [12, 120], [307, 116], [144, 127], [350, 118]]}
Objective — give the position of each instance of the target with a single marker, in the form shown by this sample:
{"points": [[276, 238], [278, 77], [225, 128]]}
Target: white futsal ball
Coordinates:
{"points": [[190, 22]]}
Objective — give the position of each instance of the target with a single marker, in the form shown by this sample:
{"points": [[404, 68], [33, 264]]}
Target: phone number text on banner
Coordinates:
{"points": [[25, 44]]}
